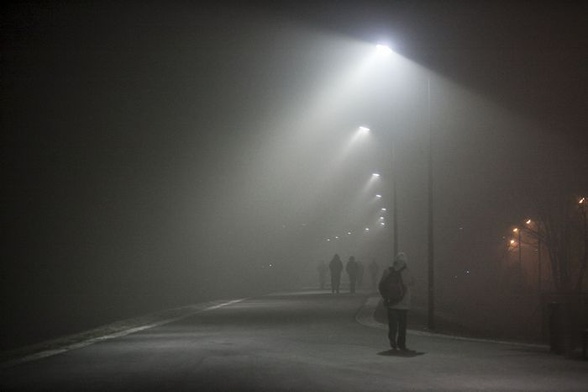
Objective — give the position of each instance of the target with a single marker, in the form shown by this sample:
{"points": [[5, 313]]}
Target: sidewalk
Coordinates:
{"points": [[445, 326]]}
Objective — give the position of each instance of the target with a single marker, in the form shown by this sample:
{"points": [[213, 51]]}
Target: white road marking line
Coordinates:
{"points": [[88, 342]]}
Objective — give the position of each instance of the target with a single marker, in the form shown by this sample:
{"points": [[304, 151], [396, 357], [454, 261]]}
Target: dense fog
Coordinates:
{"points": [[163, 154]]}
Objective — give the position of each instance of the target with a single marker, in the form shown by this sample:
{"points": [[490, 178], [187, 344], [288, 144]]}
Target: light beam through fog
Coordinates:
{"points": [[161, 156]]}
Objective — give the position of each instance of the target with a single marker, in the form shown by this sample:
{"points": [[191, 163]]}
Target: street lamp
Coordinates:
{"points": [[536, 234], [394, 208], [582, 206], [430, 216], [384, 49], [430, 241]]}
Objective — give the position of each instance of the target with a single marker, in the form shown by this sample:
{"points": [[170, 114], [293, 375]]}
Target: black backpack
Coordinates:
{"points": [[392, 288]]}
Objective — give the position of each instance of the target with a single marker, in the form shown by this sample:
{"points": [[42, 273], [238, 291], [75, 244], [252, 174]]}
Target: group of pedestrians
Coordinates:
{"points": [[394, 286], [354, 271], [353, 268]]}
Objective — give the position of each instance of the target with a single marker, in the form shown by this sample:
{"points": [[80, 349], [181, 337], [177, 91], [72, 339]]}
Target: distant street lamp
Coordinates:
{"points": [[394, 207]]}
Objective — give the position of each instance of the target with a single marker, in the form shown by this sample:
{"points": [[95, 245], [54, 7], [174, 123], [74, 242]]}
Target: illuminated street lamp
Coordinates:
{"points": [[395, 210], [386, 50]]}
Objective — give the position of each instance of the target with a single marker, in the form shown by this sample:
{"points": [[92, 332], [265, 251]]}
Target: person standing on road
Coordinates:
{"points": [[398, 304], [352, 268], [335, 267]]}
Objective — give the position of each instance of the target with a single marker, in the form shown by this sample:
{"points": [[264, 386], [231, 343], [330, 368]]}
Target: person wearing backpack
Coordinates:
{"points": [[394, 287]]}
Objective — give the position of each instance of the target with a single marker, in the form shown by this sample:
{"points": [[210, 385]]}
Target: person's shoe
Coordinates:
{"points": [[405, 350], [393, 346]]}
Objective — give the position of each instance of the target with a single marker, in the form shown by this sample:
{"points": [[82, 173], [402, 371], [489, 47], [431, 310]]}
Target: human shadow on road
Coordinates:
{"points": [[399, 353]]}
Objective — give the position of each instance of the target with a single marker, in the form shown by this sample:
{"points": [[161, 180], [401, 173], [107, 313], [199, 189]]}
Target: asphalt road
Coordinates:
{"points": [[304, 341]]}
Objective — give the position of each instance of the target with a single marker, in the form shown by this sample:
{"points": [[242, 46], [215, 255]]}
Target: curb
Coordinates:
{"points": [[364, 316], [106, 332]]}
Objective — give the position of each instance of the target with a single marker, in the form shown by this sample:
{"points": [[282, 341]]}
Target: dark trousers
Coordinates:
{"points": [[397, 319]]}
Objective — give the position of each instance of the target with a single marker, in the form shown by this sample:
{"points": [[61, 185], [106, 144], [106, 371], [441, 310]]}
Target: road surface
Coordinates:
{"points": [[300, 341]]}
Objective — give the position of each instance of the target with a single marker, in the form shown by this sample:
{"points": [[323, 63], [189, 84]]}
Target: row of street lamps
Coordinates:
{"points": [[386, 50], [430, 211]]}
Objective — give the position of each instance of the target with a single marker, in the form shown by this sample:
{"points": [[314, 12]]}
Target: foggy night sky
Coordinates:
{"points": [[153, 151]]}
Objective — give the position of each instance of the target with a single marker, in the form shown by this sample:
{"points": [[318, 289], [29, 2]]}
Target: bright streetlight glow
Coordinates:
{"points": [[515, 230], [375, 175], [379, 196], [384, 49], [364, 129]]}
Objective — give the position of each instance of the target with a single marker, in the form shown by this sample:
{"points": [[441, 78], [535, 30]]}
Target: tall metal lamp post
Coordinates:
{"points": [[430, 218], [430, 231]]}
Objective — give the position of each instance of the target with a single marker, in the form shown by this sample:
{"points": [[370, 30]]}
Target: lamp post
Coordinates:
{"points": [[430, 231], [582, 205], [430, 204], [536, 234], [394, 215], [517, 231], [394, 204]]}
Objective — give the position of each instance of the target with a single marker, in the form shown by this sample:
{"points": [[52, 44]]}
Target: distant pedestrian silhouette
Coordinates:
{"points": [[352, 269], [335, 266]]}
